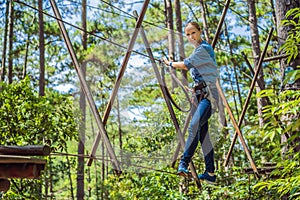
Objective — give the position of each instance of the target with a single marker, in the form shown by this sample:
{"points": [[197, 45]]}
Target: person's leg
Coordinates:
{"points": [[199, 118], [208, 152], [207, 149]]}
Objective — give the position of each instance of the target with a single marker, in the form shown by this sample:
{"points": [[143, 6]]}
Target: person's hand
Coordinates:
{"points": [[166, 61]]}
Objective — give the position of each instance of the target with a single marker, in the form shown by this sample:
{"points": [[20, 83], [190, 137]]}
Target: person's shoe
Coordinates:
{"points": [[208, 178], [182, 169]]}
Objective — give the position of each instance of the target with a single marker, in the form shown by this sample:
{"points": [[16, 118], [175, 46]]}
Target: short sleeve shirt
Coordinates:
{"points": [[202, 66]]}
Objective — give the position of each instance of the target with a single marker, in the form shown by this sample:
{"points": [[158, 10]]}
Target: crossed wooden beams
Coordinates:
{"points": [[102, 132]]}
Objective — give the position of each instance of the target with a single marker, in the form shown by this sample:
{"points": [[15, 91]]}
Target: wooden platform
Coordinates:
{"points": [[12, 166], [266, 169]]}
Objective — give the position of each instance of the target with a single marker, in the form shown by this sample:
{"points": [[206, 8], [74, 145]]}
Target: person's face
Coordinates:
{"points": [[193, 34]]}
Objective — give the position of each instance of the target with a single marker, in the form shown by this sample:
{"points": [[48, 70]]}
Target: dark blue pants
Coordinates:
{"points": [[198, 131]]}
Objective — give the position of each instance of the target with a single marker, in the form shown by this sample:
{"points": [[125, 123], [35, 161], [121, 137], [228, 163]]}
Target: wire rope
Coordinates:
{"points": [[109, 160], [185, 89], [106, 39], [81, 29]]}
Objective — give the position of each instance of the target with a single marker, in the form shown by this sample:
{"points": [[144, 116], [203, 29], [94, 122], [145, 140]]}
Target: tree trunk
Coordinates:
{"points": [[282, 6], [80, 170], [11, 36], [42, 50], [26, 56], [281, 9], [70, 175], [273, 11], [50, 180], [2, 72], [119, 129], [234, 64], [103, 170], [204, 21], [180, 39], [27, 49], [171, 38], [261, 102], [97, 187]]}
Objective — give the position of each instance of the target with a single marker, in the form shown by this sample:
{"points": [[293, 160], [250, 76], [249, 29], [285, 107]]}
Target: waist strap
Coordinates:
{"points": [[201, 91]]}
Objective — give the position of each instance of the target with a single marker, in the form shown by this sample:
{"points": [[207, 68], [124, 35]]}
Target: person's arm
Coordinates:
{"points": [[177, 65]]}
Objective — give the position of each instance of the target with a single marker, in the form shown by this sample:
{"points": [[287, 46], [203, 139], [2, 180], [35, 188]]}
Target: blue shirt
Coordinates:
{"points": [[202, 66]]}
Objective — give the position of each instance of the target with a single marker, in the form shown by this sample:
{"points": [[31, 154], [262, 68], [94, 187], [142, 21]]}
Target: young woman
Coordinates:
{"points": [[203, 69]]}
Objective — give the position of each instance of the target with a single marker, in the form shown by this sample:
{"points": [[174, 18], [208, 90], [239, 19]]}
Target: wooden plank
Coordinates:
{"points": [[34, 150], [261, 170], [12, 166], [21, 170], [8, 159]]}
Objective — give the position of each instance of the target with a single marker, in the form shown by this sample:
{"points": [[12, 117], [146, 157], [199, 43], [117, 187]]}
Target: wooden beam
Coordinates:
{"points": [[262, 170], [275, 58], [119, 78], [218, 31], [246, 104], [20, 167], [30, 150], [238, 131], [85, 88], [4, 185]]}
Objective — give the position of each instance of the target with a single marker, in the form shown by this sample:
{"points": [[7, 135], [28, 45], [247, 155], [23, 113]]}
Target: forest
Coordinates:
{"points": [[85, 77]]}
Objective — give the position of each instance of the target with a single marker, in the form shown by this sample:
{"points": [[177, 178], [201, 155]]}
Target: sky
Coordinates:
{"points": [[231, 17]]}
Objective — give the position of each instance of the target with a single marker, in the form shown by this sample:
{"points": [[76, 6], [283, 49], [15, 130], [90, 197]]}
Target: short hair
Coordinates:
{"points": [[195, 24]]}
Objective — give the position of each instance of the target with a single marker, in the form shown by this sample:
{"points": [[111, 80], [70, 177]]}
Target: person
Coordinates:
{"points": [[203, 69]]}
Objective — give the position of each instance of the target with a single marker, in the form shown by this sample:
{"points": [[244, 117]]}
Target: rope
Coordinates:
{"points": [[81, 29], [242, 17], [128, 15], [106, 39], [97, 8], [109, 160], [184, 89]]}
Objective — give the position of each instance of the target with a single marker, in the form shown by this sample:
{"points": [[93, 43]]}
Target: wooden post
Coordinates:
{"points": [[31, 150], [217, 34], [186, 123], [248, 98], [85, 89], [119, 78], [220, 89]]}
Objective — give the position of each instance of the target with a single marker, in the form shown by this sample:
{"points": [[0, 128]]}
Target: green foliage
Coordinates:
{"points": [[286, 178], [292, 43], [285, 104], [283, 118], [29, 119], [150, 185], [150, 138], [292, 76]]}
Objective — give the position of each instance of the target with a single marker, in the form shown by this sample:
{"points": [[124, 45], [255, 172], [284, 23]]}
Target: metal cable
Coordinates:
{"points": [[109, 160], [81, 29]]}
